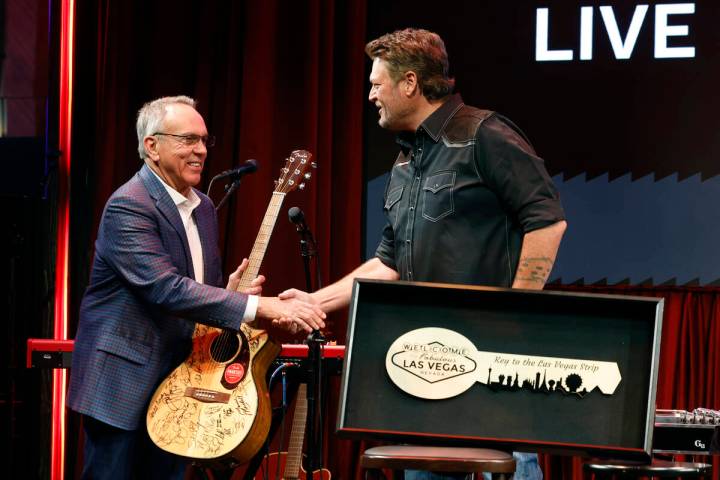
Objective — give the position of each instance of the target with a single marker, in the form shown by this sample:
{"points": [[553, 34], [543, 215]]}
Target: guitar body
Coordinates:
{"points": [[273, 468], [215, 406]]}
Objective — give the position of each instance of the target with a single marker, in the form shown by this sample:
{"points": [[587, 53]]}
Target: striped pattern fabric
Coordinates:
{"points": [[139, 311]]}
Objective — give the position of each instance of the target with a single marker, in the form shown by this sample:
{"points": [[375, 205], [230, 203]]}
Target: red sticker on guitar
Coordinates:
{"points": [[234, 373]]}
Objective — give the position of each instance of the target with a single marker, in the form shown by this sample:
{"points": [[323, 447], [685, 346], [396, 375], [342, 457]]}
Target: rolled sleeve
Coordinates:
{"points": [[385, 251], [517, 175]]}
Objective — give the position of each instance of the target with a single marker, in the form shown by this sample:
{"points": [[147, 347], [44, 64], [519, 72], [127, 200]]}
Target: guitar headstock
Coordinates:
{"points": [[295, 172]]}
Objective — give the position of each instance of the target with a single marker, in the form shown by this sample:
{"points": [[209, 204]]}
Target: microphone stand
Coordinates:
{"points": [[229, 190], [308, 250], [315, 341]]}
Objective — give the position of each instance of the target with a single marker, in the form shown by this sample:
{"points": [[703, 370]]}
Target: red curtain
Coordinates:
{"points": [[270, 77]]}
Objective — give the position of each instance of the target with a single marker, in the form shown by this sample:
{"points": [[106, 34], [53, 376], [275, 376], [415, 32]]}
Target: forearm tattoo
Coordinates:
{"points": [[534, 269]]}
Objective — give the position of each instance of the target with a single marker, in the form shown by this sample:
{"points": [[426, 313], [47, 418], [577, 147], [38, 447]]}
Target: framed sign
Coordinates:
{"points": [[536, 371]]}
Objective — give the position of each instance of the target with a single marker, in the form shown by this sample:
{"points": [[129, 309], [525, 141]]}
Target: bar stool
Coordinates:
{"points": [[438, 459], [658, 468]]}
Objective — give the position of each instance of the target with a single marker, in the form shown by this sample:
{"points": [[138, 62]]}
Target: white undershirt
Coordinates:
{"points": [[185, 206]]}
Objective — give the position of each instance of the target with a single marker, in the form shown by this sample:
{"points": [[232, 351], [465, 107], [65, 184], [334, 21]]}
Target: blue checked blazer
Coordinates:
{"points": [[140, 308]]}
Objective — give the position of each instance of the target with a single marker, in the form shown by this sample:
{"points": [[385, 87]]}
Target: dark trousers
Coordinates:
{"points": [[113, 453]]}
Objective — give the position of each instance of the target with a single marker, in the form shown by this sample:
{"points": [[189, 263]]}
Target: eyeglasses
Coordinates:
{"points": [[191, 140]]}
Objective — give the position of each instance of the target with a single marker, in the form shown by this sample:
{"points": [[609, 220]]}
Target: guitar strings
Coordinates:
{"points": [[225, 340], [229, 343]]}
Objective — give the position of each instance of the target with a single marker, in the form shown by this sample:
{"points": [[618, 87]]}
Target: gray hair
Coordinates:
{"points": [[151, 116]]}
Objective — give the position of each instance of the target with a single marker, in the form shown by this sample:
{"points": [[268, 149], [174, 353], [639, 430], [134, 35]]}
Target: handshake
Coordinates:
{"points": [[292, 310]]}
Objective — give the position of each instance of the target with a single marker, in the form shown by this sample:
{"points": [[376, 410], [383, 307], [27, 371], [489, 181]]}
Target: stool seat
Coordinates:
{"points": [[658, 468], [438, 459]]}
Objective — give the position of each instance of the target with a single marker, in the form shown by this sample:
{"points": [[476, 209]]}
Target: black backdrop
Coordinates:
{"points": [[632, 143]]}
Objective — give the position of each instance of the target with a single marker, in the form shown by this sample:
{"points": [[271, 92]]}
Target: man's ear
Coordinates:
{"points": [[151, 145], [410, 86]]}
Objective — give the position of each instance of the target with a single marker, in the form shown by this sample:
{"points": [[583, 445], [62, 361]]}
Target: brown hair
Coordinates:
{"points": [[418, 50]]}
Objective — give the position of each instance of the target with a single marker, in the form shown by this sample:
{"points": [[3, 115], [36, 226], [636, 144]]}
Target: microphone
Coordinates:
{"points": [[297, 217], [249, 166], [307, 241]]}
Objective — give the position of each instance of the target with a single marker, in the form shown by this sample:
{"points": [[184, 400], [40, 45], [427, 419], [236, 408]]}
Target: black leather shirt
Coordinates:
{"points": [[465, 188]]}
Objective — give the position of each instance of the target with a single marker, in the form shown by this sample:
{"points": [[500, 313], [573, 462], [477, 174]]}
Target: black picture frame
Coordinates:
{"points": [[610, 328]]}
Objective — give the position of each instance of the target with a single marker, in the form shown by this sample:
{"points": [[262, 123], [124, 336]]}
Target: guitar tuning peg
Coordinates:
{"points": [[291, 159], [301, 186], [291, 182], [297, 172], [276, 182], [308, 175], [313, 165], [285, 170]]}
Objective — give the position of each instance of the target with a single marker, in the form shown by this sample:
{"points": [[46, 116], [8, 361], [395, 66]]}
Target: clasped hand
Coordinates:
{"points": [[289, 312]]}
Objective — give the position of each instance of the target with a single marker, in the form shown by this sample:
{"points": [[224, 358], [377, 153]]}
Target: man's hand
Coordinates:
{"points": [[288, 295], [298, 294], [291, 314], [234, 280], [337, 295]]}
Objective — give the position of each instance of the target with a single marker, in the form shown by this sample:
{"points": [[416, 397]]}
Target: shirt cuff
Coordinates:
{"points": [[250, 308]]}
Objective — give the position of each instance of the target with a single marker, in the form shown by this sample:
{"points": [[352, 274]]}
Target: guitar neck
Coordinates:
{"points": [[297, 435], [261, 241]]}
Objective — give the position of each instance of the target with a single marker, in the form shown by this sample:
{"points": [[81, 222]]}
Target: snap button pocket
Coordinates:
{"points": [[438, 199], [393, 197]]}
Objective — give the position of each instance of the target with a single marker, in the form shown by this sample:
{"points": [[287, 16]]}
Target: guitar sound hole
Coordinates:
{"points": [[225, 347]]}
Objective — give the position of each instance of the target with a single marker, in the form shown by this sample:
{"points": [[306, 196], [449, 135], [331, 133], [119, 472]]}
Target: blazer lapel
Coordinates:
{"points": [[169, 210]]}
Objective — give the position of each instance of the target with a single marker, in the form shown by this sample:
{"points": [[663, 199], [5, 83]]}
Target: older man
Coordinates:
{"points": [[156, 272]]}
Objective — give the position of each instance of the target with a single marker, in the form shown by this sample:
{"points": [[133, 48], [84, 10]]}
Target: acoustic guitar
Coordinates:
{"points": [[288, 465], [215, 406]]}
